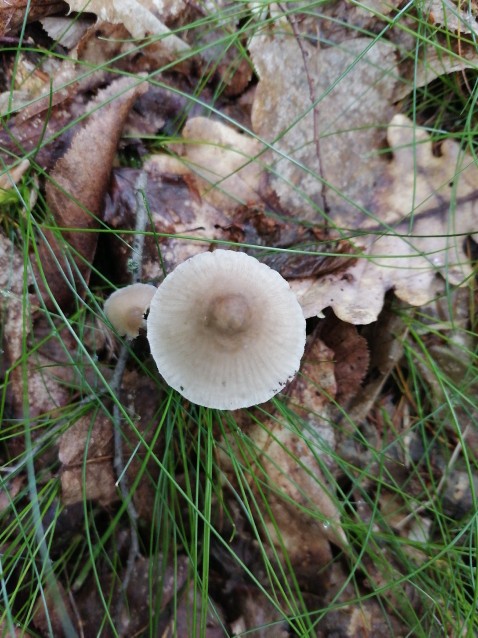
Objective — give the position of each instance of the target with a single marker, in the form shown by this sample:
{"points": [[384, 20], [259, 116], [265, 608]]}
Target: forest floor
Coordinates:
{"points": [[336, 143]]}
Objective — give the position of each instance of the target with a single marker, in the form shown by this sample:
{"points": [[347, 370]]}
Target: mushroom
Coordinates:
{"points": [[126, 307], [225, 330]]}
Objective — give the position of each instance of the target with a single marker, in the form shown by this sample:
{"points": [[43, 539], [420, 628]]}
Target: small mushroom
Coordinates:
{"points": [[126, 307], [225, 330]]}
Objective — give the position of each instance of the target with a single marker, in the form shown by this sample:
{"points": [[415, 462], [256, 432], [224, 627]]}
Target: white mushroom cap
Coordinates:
{"points": [[225, 330], [125, 308]]}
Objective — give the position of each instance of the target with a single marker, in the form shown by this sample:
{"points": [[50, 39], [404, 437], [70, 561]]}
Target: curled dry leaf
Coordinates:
{"points": [[328, 155], [67, 31], [455, 56], [442, 193], [13, 12], [78, 184], [351, 356], [140, 17], [222, 162]]}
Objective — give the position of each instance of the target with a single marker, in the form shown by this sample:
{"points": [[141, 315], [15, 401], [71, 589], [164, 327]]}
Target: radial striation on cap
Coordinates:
{"points": [[225, 330]]}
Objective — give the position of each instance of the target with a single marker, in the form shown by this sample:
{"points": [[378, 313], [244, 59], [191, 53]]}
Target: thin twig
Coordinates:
{"points": [[292, 20], [136, 268]]}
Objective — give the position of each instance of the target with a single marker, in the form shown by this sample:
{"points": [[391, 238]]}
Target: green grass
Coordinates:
{"points": [[205, 531]]}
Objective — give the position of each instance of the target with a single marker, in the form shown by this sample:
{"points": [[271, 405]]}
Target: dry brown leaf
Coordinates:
{"points": [[92, 438], [138, 16], [43, 110], [351, 356], [222, 162], [368, 618], [258, 617], [185, 617], [303, 511], [67, 31], [13, 175], [312, 389], [7, 495], [11, 298], [355, 83], [49, 375], [78, 184], [53, 613], [13, 12], [304, 518], [175, 208], [441, 190], [453, 16]]}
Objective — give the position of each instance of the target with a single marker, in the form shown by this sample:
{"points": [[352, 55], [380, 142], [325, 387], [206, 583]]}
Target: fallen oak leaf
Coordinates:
{"points": [[324, 153], [351, 356], [221, 161], [442, 194]]}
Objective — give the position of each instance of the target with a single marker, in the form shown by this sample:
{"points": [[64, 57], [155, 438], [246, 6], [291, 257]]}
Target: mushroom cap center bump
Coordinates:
{"points": [[229, 314]]}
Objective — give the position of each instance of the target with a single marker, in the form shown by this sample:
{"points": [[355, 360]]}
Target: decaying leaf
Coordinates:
{"points": [[11, 298], [439, 194], [325, 153], [351, 356], [301, 513], [175, 208], [138, 16], [223, 162], [301, 516], [93, 479], [9, 491], [453, 15], [13, 175], [13, 14], [78, 184]]}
